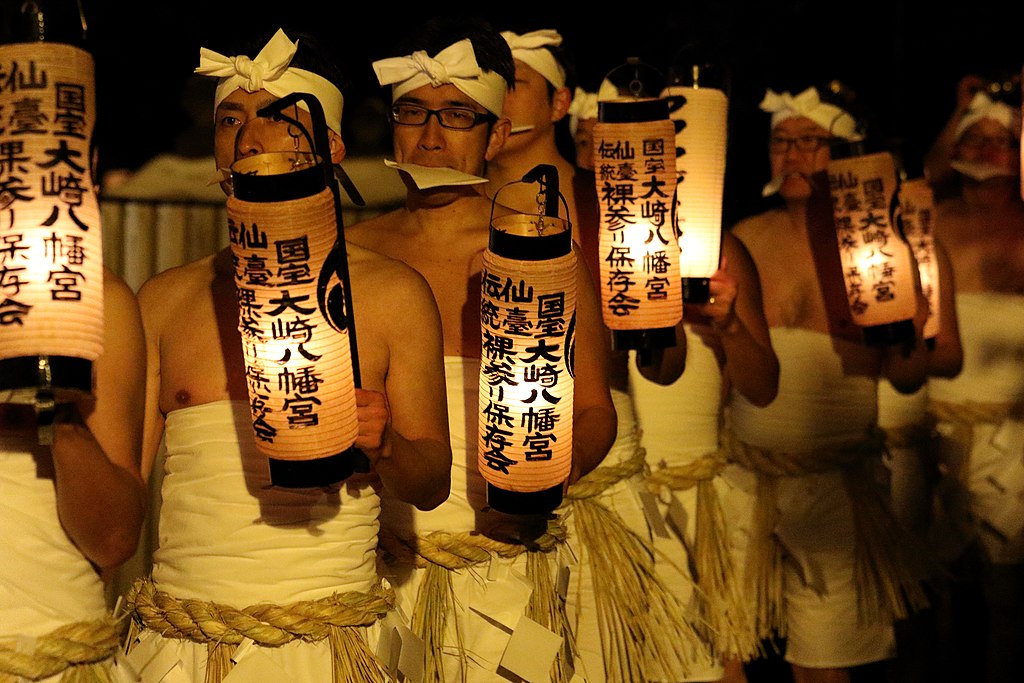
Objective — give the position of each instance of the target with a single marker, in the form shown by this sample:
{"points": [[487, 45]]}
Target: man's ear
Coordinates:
{"points": [[337, 146], [500, 131], [560, 102]]}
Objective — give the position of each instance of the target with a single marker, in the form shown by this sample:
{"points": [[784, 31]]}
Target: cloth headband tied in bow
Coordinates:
{"points": [[270, 71], [983, 107], [455, 65], [808, 104], [531, 49]]}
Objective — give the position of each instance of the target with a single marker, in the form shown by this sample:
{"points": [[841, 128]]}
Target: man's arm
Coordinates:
{"points": [[737, 316], [405, 432], [594, 424], [946, 359], [101, 498]]}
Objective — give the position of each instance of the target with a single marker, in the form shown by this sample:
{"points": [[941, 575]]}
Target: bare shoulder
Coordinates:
{"points": [[371, 231], [381, 276], [755, 230], [161, 295]]}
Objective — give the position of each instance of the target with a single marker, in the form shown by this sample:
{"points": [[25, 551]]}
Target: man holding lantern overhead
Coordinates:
{"points": [[469, 575], [231, 544]]}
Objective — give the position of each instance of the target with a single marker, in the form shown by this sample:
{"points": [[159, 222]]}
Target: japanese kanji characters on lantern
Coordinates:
{"points": [[51, 256]]}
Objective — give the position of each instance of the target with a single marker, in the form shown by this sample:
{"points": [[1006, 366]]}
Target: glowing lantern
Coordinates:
{"points": [[527, 324], [699, 108], [51, 254], [298, 336], [635, 176], [877, 265], [918, 213]]}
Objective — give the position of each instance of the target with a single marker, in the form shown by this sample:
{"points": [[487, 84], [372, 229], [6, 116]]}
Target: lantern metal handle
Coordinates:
{"points": [[546, 176], [635, 86], [320, 142]]}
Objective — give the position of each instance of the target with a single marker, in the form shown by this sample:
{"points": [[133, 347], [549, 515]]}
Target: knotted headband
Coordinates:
{"points": [[531, 48], [983, 107], [270, 71], [808, 104], [455, 65]]}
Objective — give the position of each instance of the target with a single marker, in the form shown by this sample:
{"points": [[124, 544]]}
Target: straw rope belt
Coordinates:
{"points": [[269, 625], [602, 478], [458, 550], [640, 620], [731, 628], [440, 553], [889, 563], [70, 645], [683, 477], [964, 417]]}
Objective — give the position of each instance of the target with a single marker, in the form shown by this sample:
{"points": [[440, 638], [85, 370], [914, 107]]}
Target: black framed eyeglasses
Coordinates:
{"points": [[457, 118], [804, 143]]}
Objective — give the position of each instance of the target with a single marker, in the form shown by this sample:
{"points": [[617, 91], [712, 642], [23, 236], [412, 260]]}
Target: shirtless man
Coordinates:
{"points": [[274, 545], [826, 407], [447, 117]]}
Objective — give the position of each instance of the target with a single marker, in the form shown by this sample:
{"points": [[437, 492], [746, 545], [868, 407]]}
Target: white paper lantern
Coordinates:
{"points": [[877, 266], [700, 114], [918, 214], [294, 324], [635, 176], [527, 326], [51, 252]]}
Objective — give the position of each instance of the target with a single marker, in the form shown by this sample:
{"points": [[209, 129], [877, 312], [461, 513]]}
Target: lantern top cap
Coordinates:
{"points": [[633, 79]]}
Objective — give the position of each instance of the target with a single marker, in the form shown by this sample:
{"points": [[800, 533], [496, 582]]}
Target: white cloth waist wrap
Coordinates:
{"points": [[992, 327], [228, 536], [817, 406], [45, 581]]}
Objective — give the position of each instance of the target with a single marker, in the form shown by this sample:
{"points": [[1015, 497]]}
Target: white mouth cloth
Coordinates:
{"points": [[455, 65], [981, 172], [522, 128], [427, 177], [531, 49], [270, 71], [838, 122], [983, 107], [773, 185]]}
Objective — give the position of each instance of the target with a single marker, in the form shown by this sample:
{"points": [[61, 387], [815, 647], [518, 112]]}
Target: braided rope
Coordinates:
{"points": [[604, 477], [268, 625], [66, 646], [965, 416], [458, 550], [682, 477], [793, 464]]}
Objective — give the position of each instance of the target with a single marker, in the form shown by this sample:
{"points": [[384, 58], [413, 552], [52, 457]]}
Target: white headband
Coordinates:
{"points": [[982, 107], [531, 48], [270, 72], [835, 120], [584, 104], [456, 64]]}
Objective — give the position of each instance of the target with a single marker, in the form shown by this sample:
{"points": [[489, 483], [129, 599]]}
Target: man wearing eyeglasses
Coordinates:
{"points": [[463, 569], [803, 453], [979, 412]]}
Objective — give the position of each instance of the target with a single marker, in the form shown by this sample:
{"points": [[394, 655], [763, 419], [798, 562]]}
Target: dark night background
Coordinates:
{"points": [[903, 58]]}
